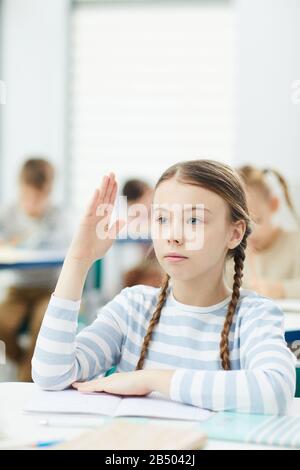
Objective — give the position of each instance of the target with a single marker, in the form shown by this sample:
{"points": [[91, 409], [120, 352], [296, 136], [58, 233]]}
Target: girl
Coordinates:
{"points": [[193, 340], [273, 265]]}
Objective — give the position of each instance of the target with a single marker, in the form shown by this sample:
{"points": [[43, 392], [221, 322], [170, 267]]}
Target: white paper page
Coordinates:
{"points": [[156, 405], [72, 401]]}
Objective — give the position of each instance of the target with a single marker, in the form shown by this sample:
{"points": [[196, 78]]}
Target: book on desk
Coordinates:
{"points": [[154, 405], [241, 427]]}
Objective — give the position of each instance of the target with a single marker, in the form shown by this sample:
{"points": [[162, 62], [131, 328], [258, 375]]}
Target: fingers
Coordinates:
{"points": [[104, 196], [92, 206], [92, 386], [113, 193], [111, 187], [108, 190], [103, 188]]}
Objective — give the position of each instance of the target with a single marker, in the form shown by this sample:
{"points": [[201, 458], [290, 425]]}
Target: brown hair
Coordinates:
{"points": [[224, 181], [257, 178], [37, 173], [134, 189]]}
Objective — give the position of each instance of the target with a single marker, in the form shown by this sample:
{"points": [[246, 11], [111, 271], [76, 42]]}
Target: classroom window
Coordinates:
{"points": [[151, 84]]}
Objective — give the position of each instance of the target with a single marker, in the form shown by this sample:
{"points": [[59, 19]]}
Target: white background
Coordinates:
{"points": [[38, 116]]}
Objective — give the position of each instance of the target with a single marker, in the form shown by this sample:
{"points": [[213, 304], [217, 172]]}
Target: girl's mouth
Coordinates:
{"points": [[175, 257]]}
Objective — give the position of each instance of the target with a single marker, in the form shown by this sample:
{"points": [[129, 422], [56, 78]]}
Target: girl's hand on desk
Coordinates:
{"points": [[94, 237], [120, 383], [137, 382]]}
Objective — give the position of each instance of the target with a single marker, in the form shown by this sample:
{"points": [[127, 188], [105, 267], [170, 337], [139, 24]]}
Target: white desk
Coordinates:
{"points": [[20, 427], [22, 259], [292, 321], [289, 305]]}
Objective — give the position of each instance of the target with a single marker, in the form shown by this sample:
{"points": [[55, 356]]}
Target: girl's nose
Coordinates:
{"points": [[175, 240]]}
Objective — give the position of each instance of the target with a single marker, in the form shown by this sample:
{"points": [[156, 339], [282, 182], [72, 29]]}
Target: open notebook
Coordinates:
{"points": [[153, 405]]}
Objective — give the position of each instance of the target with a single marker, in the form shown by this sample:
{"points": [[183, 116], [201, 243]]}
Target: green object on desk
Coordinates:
{"points": [[110, 371]]}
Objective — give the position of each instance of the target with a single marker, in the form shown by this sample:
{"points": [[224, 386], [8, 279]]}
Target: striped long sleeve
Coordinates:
{"points": [[264, 384], [62, 357], [186, 339]]}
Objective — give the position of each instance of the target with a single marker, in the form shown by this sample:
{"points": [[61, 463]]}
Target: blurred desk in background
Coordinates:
{"points": [[289, 305], [15, 258], [291, 310]]}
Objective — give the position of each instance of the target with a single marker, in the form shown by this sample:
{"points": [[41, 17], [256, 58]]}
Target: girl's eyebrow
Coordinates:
{"points": [[162, 208]]}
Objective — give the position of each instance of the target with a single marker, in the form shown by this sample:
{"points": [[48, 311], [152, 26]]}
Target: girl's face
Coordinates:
{"points": [[180, 248], [261, 211]]}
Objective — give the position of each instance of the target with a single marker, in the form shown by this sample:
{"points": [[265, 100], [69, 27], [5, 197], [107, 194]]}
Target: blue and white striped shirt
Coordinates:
{"points": [[186, 339]]}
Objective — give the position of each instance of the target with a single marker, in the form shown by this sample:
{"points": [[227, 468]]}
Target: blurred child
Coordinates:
{"points": [[137, 267], [147, 272], [272, 265], [139, 193], [32, 223]]}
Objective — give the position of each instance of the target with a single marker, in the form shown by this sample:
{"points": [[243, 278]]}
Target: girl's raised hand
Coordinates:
{"points": [[94, 236]]}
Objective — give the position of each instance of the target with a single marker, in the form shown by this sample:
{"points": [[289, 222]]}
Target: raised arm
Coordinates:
{"points": [[60, 357], [91, 241]]}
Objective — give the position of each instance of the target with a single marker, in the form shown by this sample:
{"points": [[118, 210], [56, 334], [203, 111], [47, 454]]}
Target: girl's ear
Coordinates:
{"points": [[274, 204], [237, 233]]}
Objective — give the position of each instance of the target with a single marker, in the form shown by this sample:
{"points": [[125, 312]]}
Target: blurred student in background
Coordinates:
{"points": [[272, 266], [34, 223], [146, 271], [138, 191], [139, 195]]}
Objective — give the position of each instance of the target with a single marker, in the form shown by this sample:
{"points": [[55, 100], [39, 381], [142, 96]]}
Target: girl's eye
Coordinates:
{"points": [[161, 220], [194, 221]]}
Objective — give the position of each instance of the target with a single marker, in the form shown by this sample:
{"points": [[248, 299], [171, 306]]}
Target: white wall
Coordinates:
{"points": [[268, 54], [34, 70]]}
